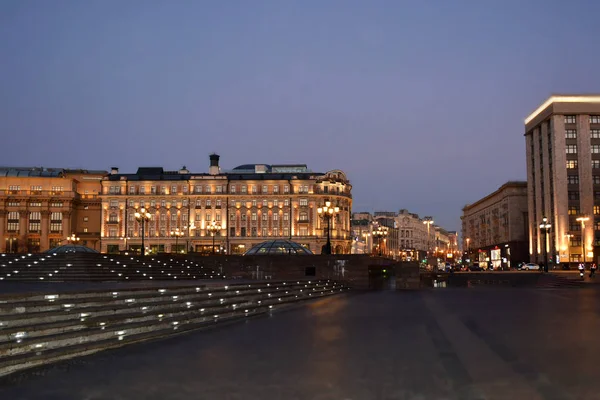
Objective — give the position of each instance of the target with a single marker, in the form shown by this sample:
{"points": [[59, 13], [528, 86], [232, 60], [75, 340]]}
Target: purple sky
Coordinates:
{"points": [[420, 102]]}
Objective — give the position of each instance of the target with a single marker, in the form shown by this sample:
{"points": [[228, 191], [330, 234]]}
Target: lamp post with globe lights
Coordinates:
{"points": [[73, 239], [177, 234], [428, 221], [213, 228], [583, 221], [545, 227], [328, 212], [143, 217], [379, 233]]}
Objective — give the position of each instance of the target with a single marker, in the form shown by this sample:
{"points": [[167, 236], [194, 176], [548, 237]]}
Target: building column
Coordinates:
{"points": [[66, 223], [22, 243], [45, 229], [3, 214]]}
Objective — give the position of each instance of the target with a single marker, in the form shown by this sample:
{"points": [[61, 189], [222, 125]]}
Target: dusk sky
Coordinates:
{"points": [[421, 103]]}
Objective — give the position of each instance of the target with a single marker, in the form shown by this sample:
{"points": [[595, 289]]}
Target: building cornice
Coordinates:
{"points": [[587, 98]]}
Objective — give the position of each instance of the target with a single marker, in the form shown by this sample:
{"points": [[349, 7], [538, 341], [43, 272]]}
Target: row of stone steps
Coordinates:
{"points": [[92, 267], [42, 328]]}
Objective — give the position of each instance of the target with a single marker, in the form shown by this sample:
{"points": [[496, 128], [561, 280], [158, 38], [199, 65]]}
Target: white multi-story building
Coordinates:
{"points": [[563, 178]]}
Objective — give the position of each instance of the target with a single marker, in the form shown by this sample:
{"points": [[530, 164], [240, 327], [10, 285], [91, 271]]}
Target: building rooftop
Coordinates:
{"points": [[518, 184], [563, 98], [44, 172]]}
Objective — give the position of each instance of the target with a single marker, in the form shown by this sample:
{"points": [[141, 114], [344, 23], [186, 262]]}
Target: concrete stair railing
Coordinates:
{"points": [[44, 328]]}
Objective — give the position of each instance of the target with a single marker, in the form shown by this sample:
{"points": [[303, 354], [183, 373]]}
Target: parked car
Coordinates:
{"points": [[530, 267], [474, 267]]}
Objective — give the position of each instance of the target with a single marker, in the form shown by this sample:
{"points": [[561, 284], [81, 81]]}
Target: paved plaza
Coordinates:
{"points": [[483, 343]]}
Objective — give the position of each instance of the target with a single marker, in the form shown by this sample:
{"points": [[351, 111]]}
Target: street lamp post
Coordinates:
{"points": [[366, 238], [327, 212], [568, 236], [177, 233], [380, 233], [125, 238], [428, 221], [583, 220], [143, 217], [73, 239], [545, 226], [213, 228]]}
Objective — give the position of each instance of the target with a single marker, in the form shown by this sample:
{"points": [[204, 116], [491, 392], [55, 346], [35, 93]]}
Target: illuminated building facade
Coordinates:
{"points": [[563, 175], [41, 207], [494, 228], [243, 206]]}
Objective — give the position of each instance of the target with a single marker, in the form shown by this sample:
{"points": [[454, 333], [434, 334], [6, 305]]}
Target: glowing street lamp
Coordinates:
{"points": [[583, 220], [327, 212], [73, 239], [380, 232], [213, 228], [568, 236], [143, 217], [428, 221], [177, 234], [125, 238], [545, 227]]}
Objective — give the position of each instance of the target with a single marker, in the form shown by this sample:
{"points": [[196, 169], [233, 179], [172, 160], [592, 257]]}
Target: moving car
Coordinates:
{"points": [[530, 267]]}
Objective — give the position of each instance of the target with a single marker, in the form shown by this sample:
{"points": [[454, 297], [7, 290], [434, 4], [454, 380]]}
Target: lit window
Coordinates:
{"points": [[569, 119], [571, 134]]}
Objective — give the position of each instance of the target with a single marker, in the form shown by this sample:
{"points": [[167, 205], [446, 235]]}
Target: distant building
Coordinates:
{"points": [[247, 205], [408, 237], [362, 229], [563, 172], [41, 207], [388, 245], [494, 228]]}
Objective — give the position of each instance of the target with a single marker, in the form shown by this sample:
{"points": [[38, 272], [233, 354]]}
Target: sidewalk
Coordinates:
{"points": [[574, 275]]}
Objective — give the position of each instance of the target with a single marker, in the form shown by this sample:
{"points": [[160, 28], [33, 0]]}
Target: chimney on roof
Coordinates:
{"points": [[214, 164], [114, 170]]}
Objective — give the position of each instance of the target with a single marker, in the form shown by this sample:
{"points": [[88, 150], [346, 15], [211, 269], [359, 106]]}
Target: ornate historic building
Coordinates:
{"points": [[41, 207], [408, 237], [244, 206]]}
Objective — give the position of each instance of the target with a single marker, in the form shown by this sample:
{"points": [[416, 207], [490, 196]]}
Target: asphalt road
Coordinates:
{"points": [[488, 343]]}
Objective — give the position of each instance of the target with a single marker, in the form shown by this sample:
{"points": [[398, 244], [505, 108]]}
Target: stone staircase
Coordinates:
{"points": [[38, 329], [91, 267]]}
